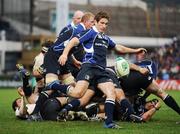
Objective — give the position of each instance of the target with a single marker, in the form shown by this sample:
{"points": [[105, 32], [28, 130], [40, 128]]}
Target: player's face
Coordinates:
{"points": [[101, 25], [88, 24], [77, 17], [77, 20], [18, 102]]}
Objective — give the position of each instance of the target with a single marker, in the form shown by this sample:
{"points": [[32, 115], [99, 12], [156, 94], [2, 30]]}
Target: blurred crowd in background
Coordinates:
{"points": [[168, 60]]}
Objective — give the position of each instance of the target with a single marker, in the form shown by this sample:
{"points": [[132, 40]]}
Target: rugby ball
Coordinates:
{"points": [[121, 67]]}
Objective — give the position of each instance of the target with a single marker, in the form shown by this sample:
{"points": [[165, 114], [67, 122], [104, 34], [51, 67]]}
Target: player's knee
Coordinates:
{"points": [[110, 93], [119, 95], [79, 94], [160, 93]]}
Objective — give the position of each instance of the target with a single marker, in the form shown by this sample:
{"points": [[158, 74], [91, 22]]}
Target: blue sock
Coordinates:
{"points": [[73, 104], [55, 85], [109, 109]]}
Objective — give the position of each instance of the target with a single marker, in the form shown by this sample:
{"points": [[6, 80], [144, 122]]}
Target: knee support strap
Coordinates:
{"points": [[69, 80]]}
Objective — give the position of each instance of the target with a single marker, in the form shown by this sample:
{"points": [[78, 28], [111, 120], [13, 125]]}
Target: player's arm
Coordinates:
{"points": [[148, 114], [63, 58], [122, 49], [76, 62], [38, 73], [37, 69], [22, 109], [135, 67]]}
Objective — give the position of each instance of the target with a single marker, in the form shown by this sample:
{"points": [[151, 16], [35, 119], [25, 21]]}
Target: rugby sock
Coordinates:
{"points": [[169, 101], [25, 82], [126, 107], [26, 87], [73, 104], [109, 109], [43, 96], [57, 86], [27, 91]]}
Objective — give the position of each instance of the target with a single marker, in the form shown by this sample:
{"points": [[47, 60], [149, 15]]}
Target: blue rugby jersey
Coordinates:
{"points": [[65, 35], [150, 65], [71, 25], [95, 45]]}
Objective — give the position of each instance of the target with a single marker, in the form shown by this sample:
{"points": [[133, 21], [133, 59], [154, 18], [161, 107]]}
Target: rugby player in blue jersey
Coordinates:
{"points": [[53, 70], [77, 53], [96, 44]]}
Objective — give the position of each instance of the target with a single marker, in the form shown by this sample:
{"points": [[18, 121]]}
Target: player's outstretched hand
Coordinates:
{"points": [[62, 59]]}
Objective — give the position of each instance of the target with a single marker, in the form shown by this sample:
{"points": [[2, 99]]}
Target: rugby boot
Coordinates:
{"points": [[23, 71]]}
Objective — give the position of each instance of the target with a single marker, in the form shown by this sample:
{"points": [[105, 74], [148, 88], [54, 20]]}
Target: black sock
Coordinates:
{"points": [[109, 109], [43, 96], [26, 87], [169, 101], [126, 108], [72, 105], [57, 86]]}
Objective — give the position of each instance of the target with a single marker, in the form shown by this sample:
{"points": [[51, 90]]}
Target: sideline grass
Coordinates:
{"points": [[164, 122]]}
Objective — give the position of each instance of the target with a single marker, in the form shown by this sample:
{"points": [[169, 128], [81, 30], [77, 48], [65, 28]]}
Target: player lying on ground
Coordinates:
{"points": [[24, 105]]}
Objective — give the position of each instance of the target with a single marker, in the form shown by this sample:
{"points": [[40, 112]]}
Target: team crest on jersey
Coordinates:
{"points": [[99, 36], [87, 77]]}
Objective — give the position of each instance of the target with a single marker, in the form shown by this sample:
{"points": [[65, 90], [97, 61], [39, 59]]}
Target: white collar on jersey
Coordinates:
{"points": [[83, 26], [95, 29]]}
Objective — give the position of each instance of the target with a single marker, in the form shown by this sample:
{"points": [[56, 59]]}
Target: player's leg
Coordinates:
{"points": [[76, 103], [108, 89], [168, 100], [25, 77], [126, 108]]}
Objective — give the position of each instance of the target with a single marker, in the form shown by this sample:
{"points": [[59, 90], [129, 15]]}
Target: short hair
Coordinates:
{"points": [[87, 16], [46, 45], [14, 104], [78, 13], [101, 15]]}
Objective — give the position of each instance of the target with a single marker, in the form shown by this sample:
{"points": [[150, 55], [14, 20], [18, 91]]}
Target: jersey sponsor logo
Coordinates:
{"points": [[101, 45], [100, 36]]}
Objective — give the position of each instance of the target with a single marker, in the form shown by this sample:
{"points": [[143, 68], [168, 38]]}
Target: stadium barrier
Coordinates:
{"points": [[169, 84], [10, 83]]}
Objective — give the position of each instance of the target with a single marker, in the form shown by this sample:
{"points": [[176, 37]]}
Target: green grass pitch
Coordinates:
{"points": [[164, 122]]}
